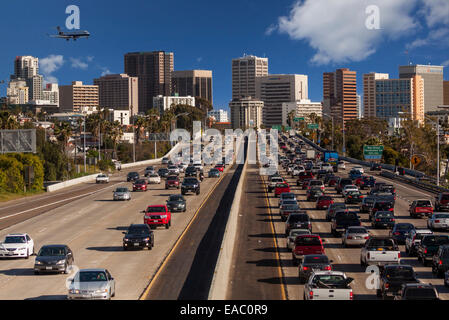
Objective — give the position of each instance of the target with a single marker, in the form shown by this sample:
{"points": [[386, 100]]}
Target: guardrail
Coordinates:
{"points": [[390, 174]]}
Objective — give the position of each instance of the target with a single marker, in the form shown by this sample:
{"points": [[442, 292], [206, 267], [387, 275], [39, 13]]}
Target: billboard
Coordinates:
{"points": [[18, 141]]}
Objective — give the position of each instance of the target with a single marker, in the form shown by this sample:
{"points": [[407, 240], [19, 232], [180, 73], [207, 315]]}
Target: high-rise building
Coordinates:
{"points": [[302, 109], [340, 94], [369, 92], [154, 70], [118, 92], [17, 92], [51, 93], [433, 83], [400, 95], [163, 103], [446, 93], [220, 115], [78, 97], [35, 84], [246, 113], [25, 67], [276, 89], [195, 83], [245, 70]]}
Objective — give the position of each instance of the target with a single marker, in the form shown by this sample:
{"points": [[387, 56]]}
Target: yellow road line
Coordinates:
{"points": [[278, 258], [153, 280]]}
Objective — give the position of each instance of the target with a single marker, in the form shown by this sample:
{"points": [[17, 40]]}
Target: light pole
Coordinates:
{"points": [[134, 141], [84, 146]]}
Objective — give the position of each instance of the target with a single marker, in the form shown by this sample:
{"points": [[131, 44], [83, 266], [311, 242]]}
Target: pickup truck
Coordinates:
{"points": [[420, 208], [380, 251], [417, 291], [429, 245], [393, 277], [328, 285], [342, 220], [273, 182]]}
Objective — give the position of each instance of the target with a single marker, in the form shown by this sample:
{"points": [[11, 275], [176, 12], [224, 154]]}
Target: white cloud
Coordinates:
{"points": [[445, 63], [106, 71], [436, 12], [336, 29], [199, 59], [272, 28], [78, 64], [434, 37], [90, 58], [50, 64]]}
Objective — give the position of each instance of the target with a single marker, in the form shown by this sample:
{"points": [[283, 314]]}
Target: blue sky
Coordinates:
{"points": [[305, 37]]}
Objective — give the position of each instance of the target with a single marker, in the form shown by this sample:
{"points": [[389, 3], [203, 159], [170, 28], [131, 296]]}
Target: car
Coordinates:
{"points": [[149, 170], [323, 202], [359, 168], [297, 170], [132, 176], [328, 285], [376, 167], [417, 291], [306, 244], [273, 181], [342, 183], [380, 205], [190, 184], [177, 203], [413, 239], [17, 245], [138, 236], [314, 193], [393, 277], [383, 219], [191, 172], [440, 261], [353, 197], [355, 236], [157, 215], [315, 184], [172, 182], [364, 182], [354, 174], [140, 185], [198, 166], [163, 172], [214, 173], [332, 182], [121, 193], [341, 165], [305, 175], [298, 220], [220, 167], [429, 246], [347, 188], [333, 208], [281, 188], [327, 167], [312, 263], [54, 258], [154, 178], [292, 237], [420, 208], [102, 178], [165, 160], [442, 202], [367, 203], [305, 184], [91, 284], [286, 196], [288, 207], [343, 220], [438, 220], [173, 170], [400, 232]]}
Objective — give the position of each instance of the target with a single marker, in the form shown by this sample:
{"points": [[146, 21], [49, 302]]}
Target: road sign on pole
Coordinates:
{"points": [[373, 152], [312, 126], [416, 160], [298, 119]]}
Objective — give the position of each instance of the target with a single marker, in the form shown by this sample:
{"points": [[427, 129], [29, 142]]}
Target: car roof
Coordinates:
{"points": [[337, 273], [92, 270], [16, 235], [54, 246]]}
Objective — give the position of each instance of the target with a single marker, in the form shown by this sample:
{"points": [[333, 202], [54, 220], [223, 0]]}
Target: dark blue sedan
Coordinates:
{"points": [[400, 231]]}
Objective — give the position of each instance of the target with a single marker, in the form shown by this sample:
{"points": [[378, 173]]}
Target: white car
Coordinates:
{"points": [[154, 178], [102, 178], [173, 169], [341, 165], [92, 284], [327, 167], [17, 245], [359, 168], [198, 166], [149, 170], [297, 170], [438, 220], [165, 160], [349, 187]]}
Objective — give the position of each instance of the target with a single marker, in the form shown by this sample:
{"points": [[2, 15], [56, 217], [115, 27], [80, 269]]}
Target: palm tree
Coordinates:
{"points": [[8, 121], [116, 132], [63, 132], [140, 124]]}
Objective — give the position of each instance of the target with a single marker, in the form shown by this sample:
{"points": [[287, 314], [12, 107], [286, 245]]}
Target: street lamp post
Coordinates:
{"points": [[84, 143]]}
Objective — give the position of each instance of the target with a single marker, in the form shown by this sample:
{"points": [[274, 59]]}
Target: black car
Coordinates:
{"points": [[380, 205], [314, 193], [440, 261], [442, 202], [342, 220], [191, 172], [376, 167], [367, 203], [429, 245], [312, 263], [393, 277], [132, 176], [176, 202], [417, 291], [333, 208], [342, 183], [297, 221], [138, 236], [53, 258], [400, 231], [190, 185], [353, 197], [383, 219], [163, 172]]}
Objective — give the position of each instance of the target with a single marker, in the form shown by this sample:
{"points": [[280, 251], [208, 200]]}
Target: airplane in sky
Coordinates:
{"points": [[71, 35]]}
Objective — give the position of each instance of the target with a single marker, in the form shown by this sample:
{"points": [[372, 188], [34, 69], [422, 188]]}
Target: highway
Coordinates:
{"points": [[92, 226]]}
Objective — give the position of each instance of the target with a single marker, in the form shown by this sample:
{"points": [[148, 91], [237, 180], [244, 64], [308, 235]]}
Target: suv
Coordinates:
{"points": [[429, 245], [393, 277], [190, 172], [342, 183], [442, 202], [380, 206], [190, 185], [417, 291], [298, 221], [157, 215], [342, 220], [315, 184], [413, 239], [132, 176], [138, 236]]}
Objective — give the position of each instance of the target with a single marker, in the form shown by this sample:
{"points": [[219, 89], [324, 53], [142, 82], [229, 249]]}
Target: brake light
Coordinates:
{"points": [[392, 219], [349, 237], [328, 268], [399, 255], [387, 285], [377, 219], [440, 262], [396, 233], [311, 295], [437, 221], [351, 295], [305, 268], [425, 250], [368, 255], [367, 237]]}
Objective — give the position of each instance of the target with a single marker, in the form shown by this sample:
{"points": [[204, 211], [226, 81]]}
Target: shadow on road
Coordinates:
{"points": [[107, 249], [49, 297]]}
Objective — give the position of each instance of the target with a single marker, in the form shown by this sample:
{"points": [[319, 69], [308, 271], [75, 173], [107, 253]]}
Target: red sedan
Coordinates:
{"points": [[140, 185], [281, 188], [172, 182], [219, 167], [324, 202]]}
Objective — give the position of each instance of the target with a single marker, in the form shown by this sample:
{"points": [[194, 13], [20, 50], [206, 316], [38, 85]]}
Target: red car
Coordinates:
{"points": [[156, 216], [220, 167], [172, 182], [324, 202], [359, 182], [281, 188], [421, 208], [332, 181], [307, 244], [140, 185], [305, 184], [305, 175]]}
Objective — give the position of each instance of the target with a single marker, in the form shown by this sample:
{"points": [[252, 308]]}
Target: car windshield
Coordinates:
{"points": [[121, 190], [357, 230], [154, 176], [324, 198], [316, 183], [140, 182], [133, 174], [155, 209], [420, 293], [176, 197], [281, 185], [172, 178], [287, 196], [295, 233], [289, 202], [423, 203], [399, 272], [404, 226], [190, 181], [138, 230], [333, 281], [15, 239], [383, 205], [435, 240], [384, 215], [316, 259], [277, 180], [290, 207], [298, 218], [163, 170], [92, 276], [51, 251], [308, 241]]}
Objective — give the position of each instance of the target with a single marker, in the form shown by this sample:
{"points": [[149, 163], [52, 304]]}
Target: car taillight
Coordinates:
{"points": [[399, 255], [396, 233], [387, 285], [311, 295], [440, 262], [305, 268], [377, 219], [349, 237], [437, 221], [351, 295], [425, 250], [328, 268], [366, 238], [368, 255]]}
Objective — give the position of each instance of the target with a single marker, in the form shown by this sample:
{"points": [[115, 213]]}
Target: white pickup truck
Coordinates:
{"points": [[328, 285], [273, 182], [380, 251]]}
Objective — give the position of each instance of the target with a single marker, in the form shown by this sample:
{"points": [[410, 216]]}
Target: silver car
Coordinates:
{"points": [[438, 220], [292, 237], [121, 193], [354, 236], [92, 284]]}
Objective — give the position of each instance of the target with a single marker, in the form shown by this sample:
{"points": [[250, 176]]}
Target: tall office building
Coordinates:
{"points": [[433, 83], [302, 108], [340, 94], [118, 92], [246, 113], [25, 67], [164, 103], [369, 92], [154, 70], [17, 92], [35, 84], [276, 89], [245, 70], [195, 83], [77, 97], [51, 93], [400, 95], [446, 93]]}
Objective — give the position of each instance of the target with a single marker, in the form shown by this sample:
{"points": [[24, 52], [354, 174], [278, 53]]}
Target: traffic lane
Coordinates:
{"points": [[93, 228], [255, 273]]}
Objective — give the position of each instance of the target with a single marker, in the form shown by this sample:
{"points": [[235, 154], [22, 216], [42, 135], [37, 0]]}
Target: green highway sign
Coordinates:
{"points": [[373, 152], [277, 127], [298, 119], [312, 126]]}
